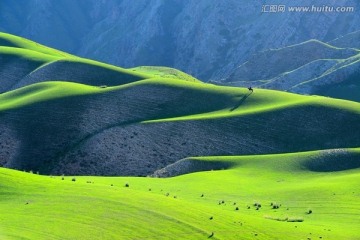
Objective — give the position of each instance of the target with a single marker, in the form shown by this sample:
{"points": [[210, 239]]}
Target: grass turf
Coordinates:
{"points": [[43, 207]]}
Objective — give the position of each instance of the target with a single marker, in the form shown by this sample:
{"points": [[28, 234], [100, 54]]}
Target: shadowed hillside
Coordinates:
{"points": [[334, 160], [311, 67], [73, 129], [70, 115]]}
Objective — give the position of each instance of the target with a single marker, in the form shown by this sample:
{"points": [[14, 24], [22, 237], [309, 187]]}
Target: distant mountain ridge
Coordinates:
{"points": [[311, 67], [207, 39]]}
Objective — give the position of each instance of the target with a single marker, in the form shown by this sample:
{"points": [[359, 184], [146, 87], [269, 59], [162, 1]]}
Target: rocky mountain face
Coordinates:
{"points": [[312, 67], [229, 42]]}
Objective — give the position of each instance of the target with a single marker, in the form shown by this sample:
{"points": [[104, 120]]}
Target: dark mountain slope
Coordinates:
{"points": [[58, 120], [74, 129], [194, 36]]}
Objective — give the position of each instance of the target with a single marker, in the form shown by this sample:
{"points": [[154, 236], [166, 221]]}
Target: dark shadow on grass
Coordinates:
{"points": [[333, 161], [242, 100], [188, 165]]}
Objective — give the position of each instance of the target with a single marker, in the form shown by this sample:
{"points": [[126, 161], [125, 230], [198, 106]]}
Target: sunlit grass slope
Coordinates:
{"points": [[25, 62], [75, 128], [191, 206], [64, 114]]}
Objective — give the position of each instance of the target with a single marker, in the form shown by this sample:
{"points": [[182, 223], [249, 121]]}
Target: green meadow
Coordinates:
{"points": [[292, 195], [191, 206]]}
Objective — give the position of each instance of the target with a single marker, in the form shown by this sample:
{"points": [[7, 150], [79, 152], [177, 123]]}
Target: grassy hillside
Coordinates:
{"points": [[64, 114], [137, 128], [296, 156], [190, 206], [9, 40], [25, 62]]}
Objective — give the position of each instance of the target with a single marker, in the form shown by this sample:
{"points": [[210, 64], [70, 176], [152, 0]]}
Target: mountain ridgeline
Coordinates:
{"points": [[61, 114], [229, 42]]}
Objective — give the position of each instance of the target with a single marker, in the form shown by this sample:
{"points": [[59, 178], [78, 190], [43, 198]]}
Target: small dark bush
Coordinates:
{"points": [[237, 208], [211, 218], [275, 206], [309, 211], [127, 185], [73, 179], [256, 204]]}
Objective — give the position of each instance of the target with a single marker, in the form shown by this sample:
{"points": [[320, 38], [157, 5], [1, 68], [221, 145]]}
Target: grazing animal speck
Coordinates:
{"points": [[211, 235]]}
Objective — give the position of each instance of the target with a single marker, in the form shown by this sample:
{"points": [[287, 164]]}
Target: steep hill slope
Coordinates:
{"points": [[194, 36], [65, 114], [134, 129], [25, 62], [348, 40], [271, 63], [311, 67]]}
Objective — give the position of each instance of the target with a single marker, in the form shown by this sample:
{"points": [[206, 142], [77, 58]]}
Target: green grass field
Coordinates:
{"points": [[316, 193], [44, 207]]}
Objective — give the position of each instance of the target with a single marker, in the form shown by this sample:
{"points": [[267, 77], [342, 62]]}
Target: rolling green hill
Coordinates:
{"points": [[191, 206], [137, 128], [76, 116], [224, 149]]}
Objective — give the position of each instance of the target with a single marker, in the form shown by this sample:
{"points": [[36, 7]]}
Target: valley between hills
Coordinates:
{"points": [[94, 151]]}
